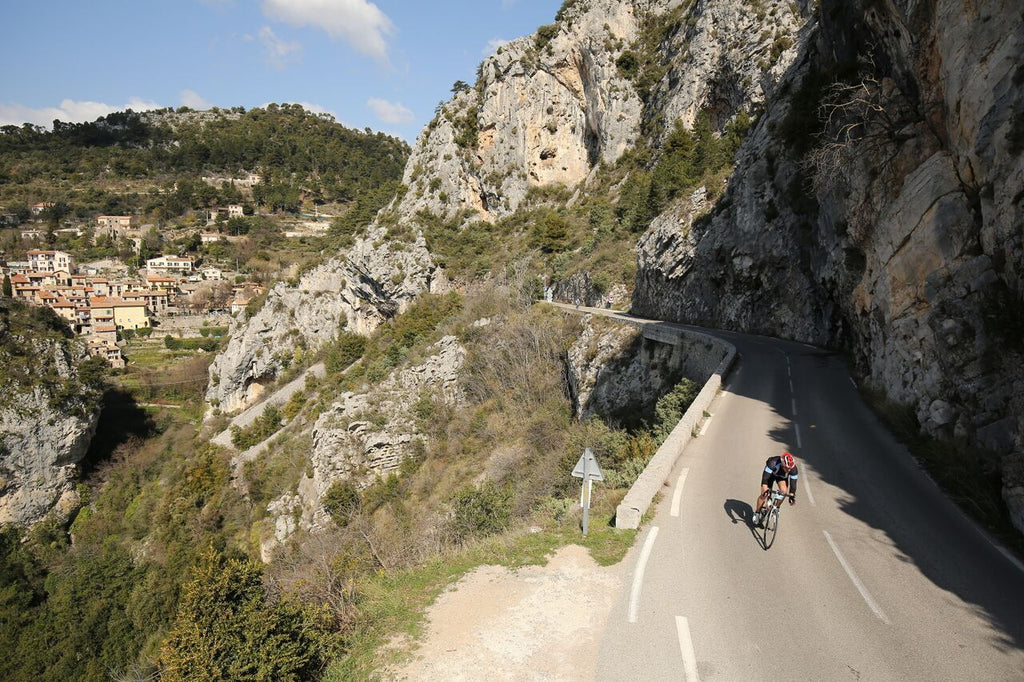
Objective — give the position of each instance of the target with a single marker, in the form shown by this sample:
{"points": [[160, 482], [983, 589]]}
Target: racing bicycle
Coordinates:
{"points": [[770, 516]]}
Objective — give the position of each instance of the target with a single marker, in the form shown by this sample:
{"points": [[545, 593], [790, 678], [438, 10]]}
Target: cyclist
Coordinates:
{"points": [[781, 470]]}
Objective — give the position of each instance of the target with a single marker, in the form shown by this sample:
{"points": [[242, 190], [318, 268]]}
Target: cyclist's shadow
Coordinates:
{"points": [[739, 511]]}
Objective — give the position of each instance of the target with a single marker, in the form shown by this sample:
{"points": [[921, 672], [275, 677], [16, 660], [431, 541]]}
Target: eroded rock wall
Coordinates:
{"points": [[547, 109], [43, 437], [887, 221]]}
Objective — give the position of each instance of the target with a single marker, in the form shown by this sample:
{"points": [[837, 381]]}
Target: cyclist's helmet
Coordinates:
{"points": [[788, 461]]}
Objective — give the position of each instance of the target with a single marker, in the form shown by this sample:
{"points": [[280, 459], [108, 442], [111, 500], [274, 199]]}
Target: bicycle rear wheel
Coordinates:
{"points": [[771, 527]]}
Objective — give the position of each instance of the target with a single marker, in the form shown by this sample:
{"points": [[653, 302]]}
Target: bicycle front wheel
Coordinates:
{"points": [[771, 527]]}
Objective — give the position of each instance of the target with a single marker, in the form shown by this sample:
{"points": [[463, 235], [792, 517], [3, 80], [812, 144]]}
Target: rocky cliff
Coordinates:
{"points": [[549, 108], [48, 414], [876, 207], [371, 282]]}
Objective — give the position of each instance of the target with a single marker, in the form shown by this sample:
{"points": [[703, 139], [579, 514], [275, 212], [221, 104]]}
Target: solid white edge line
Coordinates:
{"points": [[1009, 557], [872, 604], [679, 492], [638, 575], [686, 649], [704, 429]]}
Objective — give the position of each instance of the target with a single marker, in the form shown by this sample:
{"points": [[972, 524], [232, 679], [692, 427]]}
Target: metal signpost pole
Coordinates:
{"points": [[587, 469]]}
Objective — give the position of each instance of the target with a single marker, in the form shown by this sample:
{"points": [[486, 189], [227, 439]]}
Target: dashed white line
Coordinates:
{"points": [[872, 604], [638, 575], [686, 649], [791, 385], [793, 402], [806, 485], [796, 426], [679, 492]]}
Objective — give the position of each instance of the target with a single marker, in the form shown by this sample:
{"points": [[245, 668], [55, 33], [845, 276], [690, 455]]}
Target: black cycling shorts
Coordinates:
{"points": [[767, 478]]}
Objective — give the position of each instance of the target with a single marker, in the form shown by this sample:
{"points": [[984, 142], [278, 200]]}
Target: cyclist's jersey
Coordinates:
{"points": [[773, 471]]}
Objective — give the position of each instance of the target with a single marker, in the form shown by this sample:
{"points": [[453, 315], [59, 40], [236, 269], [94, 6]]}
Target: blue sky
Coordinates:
{"points": [[383, 64]]}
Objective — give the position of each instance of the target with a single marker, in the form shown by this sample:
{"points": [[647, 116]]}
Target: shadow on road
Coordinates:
{"points": [[741, 512]]}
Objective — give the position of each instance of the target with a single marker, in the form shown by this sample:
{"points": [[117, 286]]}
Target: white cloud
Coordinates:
{"points": [[279, 52], [360, 23], [192, 100], [492, 46], [69, 111], [390, 112]]}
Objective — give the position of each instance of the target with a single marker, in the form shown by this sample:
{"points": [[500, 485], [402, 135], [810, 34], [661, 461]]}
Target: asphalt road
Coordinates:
{"points": [[874, 574]]}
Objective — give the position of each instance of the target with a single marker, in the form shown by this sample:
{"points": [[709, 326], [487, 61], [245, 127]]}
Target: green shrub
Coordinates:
{"points": [[227, 628], [266, 425], [545, 34], [477, 512], [192, 343], [671, 407], [628, 64], [341, 501], [345, 350]]}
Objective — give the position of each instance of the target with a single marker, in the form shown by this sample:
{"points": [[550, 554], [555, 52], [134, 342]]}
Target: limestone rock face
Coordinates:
{"points": [[41, 442], [547, 109], [374, 281], [369, 434], [896, 233], [614, 372]]}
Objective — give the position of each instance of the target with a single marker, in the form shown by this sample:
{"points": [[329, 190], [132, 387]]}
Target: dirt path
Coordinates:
{"points": [[533, 623]]}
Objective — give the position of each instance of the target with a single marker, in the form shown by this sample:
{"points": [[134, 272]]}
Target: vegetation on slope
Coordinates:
{"points": [[596, 234], [35, 353], [84, 167]]}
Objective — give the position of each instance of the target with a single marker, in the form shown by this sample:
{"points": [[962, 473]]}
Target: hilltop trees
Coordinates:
{"points": [[295, 152]]}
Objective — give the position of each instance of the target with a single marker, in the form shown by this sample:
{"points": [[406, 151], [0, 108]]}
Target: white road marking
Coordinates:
{"points": [[686, 649], [806, 485], [638, 575], [679, 492], [1009, 557], [793, 402], [856, 581], [704, 429], [853, 383], [791, 385], [796, 426]]}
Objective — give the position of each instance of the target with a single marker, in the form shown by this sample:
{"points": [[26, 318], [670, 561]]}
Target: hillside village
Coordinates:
{"points": [[108, 301]]}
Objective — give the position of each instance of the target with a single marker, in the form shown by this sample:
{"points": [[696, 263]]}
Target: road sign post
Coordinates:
{"points": [[587, 469]]}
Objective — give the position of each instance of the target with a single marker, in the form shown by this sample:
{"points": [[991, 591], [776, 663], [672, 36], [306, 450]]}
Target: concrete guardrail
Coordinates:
{"points": [[638, 500]]}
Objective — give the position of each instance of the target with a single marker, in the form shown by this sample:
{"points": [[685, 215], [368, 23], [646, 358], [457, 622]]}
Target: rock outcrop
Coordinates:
{"points": [[549, 108], [366, 435], [374, 281], [40, 448], [48, 415], [615, 373]]}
